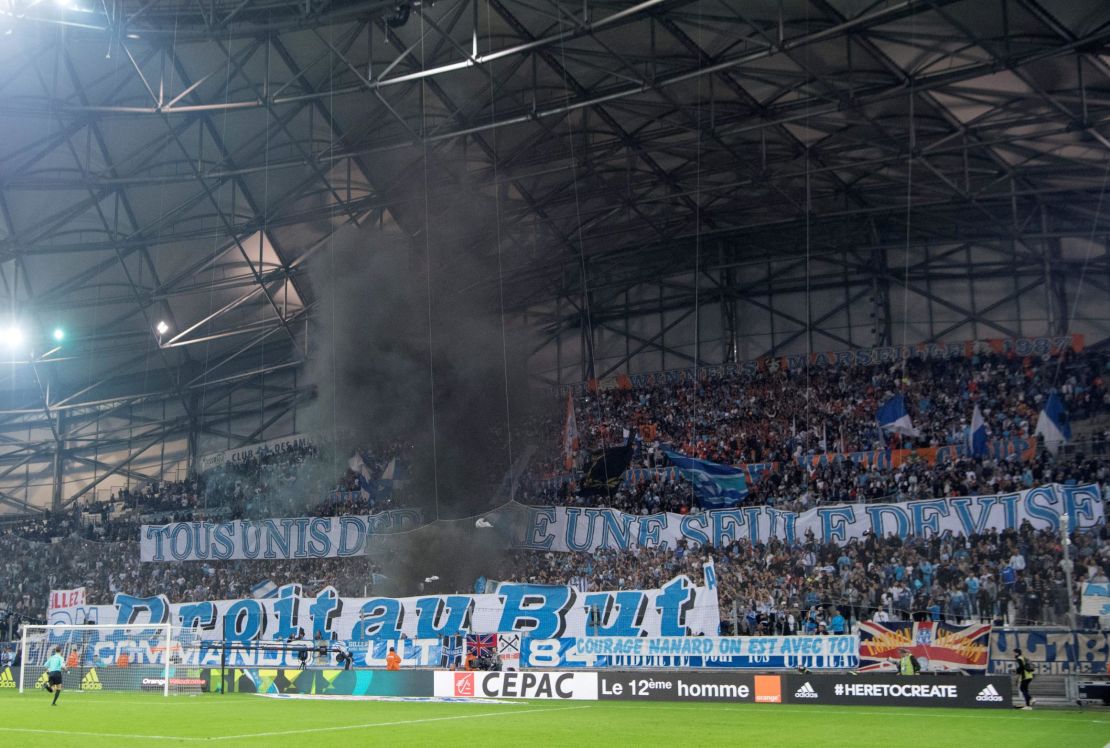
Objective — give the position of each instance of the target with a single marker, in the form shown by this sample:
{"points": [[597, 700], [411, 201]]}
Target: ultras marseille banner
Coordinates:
{"points": [[678, 608], [289, 538], [588, 529], [743, 652]]}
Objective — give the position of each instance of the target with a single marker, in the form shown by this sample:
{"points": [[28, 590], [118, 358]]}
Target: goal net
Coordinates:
{"points": [[137, 657]]}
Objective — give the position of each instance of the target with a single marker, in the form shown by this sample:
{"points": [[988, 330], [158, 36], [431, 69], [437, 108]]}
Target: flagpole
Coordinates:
{"points": [[1067, 565]]}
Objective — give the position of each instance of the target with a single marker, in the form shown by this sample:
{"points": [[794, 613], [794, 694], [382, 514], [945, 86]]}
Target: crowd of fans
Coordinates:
{"points": [[1014, 576], [772, 416]]}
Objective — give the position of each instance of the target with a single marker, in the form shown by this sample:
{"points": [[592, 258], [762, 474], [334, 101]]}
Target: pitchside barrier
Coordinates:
{"points": [[328, 681], [971, 691]]}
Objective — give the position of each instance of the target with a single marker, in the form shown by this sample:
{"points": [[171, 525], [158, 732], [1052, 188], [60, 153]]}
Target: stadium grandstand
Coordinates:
{"points": [[749, 354]]}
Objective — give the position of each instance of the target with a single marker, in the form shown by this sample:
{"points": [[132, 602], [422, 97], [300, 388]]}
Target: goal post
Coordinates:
{"points": [[104, 657]]}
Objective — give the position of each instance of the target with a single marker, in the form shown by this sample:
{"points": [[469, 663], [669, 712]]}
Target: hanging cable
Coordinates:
{"points": [[428, 276], [586, 314], [500, 271], [1070, 320]]}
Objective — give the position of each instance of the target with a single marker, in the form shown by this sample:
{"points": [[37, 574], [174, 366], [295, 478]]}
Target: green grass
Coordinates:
{"points": [[130, 719]]}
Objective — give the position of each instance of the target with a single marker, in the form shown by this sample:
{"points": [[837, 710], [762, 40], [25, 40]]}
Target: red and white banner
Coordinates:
{"points": [[938, 647], [67, 606]]}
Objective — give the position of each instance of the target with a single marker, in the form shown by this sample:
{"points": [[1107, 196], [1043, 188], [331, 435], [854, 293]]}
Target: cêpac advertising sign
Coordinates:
{"points": [[565, 686]]}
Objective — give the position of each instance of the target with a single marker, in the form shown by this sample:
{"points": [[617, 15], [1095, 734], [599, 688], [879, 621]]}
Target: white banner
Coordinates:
{"points": [[66, 606], [589, 529], [678, 608], [750, 652], [482, 685], [1095, 600], [508, 651], [215, 459], [288, 538]]}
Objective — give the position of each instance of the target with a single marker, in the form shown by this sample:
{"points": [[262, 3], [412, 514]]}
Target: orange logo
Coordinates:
{"points": [[768, 689], [464, 684]]}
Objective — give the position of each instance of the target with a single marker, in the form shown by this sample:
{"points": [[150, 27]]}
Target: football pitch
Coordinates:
{"points": [[125, 719]]}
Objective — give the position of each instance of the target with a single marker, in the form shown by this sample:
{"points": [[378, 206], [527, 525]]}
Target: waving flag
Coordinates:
{"points": [[481, 645], [1053, 424], [892, 416], [607, 470], [715, 485], [570, 435], [977, 434], [264, 589]]}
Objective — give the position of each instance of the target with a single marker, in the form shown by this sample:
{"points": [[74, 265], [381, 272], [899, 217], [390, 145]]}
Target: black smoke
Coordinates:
{"points": [[410, 348]]}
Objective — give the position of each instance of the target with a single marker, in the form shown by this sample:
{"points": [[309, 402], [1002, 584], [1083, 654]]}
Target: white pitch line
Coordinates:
{"points": [[70, 733], [337, 728], [827, 709]]}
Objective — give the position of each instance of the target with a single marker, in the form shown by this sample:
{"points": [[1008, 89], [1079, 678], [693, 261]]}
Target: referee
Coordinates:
{"points": [[54, 667]]}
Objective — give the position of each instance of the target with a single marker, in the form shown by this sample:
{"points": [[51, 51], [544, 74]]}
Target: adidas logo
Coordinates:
{"points": [[91, 682], [805, 692], [6, 679], [42, 681], [990, 693]]}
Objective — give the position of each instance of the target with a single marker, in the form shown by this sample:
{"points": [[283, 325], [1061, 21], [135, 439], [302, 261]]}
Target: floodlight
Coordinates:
{"points": [[12, 336], [162, 328], [59, 334]]}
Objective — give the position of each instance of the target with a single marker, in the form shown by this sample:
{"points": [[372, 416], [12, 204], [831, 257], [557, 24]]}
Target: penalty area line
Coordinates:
{"points": [[397, 723]]}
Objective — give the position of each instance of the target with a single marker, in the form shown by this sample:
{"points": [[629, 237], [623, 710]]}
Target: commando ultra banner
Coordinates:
{"points": [[589, 529], [288, 538]]}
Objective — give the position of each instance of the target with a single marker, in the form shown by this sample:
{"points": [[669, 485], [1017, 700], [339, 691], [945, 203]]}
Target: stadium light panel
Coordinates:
{"points": [[162, 327], [59, 334], [12, 336]]}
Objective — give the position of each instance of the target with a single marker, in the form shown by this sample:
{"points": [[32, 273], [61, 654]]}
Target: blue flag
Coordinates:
{"points": [[977, 434], [893, 417], [714, 485], [1052, 423]]}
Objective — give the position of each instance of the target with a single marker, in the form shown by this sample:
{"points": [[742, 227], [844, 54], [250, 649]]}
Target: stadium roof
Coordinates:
{"points": [[176, 161]]}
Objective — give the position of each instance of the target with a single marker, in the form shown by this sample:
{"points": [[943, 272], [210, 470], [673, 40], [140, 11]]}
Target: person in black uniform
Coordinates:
{"points": [[1025, 676]]}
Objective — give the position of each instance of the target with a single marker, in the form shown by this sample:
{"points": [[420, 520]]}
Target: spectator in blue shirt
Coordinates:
{"points": [[837, 625]]}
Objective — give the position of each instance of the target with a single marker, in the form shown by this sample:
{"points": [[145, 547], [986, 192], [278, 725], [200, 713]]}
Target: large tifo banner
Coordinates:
{"points": [[1052, 651], [678, 608], [742, 652], [938, 647], [288, 538], [589, 529]]}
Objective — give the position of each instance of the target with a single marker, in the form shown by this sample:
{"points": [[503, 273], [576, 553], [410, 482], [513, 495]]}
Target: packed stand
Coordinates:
{"points": [[1014, 576], [772, 416]]}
